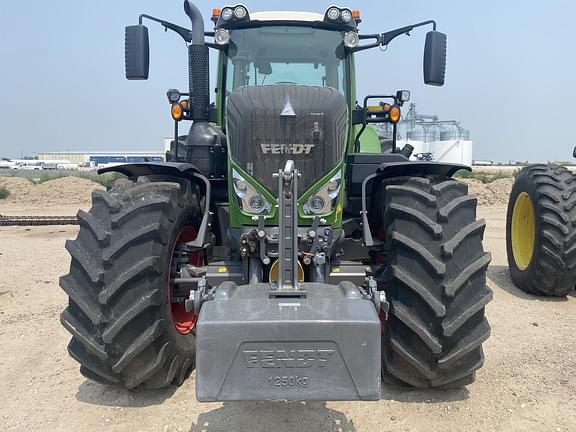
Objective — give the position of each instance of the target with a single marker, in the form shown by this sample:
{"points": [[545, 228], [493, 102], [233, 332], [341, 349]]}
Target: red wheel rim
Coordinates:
{"points": [[184, 322]]}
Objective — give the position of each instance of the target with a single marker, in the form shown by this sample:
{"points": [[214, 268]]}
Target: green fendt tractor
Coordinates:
{"points": [[279, 251]]}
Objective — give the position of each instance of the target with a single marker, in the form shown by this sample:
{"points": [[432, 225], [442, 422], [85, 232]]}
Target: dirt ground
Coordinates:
{"points": [[527, 384]]}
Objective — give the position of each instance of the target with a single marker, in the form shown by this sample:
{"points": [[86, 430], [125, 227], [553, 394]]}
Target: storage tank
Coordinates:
{"points": [[435, 139], [416, 137], [453, 146]]}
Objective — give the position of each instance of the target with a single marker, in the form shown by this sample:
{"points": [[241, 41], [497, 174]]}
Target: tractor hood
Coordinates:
{"points": [[268, 125]]}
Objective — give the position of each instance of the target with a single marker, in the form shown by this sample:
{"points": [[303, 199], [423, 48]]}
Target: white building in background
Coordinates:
{"points": [[104, 158], [167, 143], [454, 146], [435, 139]]}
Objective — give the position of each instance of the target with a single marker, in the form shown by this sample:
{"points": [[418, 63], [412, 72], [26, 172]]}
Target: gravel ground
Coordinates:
{"points": [[527, 384]]}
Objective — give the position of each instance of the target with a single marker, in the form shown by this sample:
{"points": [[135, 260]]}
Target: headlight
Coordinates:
{"points": [[250, 199], [323, 201], [257, 204], [222, 37], [346, 16], [403, 95], [227, 14], [240, 12], [173, 96], [351, 40], [333, 13], [316, 204]]}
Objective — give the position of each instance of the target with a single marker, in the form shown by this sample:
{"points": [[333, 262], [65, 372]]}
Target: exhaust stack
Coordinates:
{"points": [[198, 66]]}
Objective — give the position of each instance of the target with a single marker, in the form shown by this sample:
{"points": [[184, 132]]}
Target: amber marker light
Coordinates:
{"points": [[185, 104], [394, 114], [177, 112]]}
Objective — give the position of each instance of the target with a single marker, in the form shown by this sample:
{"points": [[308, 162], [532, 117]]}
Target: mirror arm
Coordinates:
{"points": [[385, 38], [376, 37], [183, 32]]}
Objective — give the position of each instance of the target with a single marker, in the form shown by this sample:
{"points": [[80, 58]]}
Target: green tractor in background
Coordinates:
{"points": [[279, 250]]}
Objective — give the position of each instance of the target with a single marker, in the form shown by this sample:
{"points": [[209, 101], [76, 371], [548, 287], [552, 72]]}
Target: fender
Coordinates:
{"points": [[173, 169], [387, 165], [419, 169], [364, 168]]}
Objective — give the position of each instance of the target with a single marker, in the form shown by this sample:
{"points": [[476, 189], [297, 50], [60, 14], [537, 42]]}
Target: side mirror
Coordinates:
{"points": [[435, 58], [264, 68], [137, 52]]}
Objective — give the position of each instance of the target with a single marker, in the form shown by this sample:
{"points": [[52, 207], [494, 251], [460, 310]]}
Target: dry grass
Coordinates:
{"points": [[4, 193], [486, 177]]}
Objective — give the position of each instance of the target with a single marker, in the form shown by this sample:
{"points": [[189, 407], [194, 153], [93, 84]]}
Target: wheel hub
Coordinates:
{"points": [[183, 321], [523, 231]]}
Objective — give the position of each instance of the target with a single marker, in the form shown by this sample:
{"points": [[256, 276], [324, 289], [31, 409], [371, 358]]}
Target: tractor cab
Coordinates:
{"points": [[291, 48], [279, 48]]}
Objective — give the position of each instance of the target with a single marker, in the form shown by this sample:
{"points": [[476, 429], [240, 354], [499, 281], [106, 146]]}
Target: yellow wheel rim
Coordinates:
{"points": [[523, 231]]}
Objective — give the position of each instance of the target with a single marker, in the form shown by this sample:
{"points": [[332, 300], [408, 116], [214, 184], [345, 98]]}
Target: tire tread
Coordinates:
{"points": [[553, 269], [119, 329], [436, 325]]}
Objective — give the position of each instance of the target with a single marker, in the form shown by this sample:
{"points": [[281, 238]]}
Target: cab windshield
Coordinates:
{"points": [[276, 55]]}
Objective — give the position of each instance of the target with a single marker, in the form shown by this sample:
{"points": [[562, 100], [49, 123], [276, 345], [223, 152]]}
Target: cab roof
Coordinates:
{"points": [[287, 16]]}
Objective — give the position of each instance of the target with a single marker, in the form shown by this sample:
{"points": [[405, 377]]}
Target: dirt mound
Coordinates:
{"points": [[18, 187], [66, 190], [75, 190], [494, 193]]}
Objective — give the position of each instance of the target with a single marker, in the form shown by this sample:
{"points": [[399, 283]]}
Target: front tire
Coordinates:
{"points": [[541, 230], [435, 280], [119, 312]]}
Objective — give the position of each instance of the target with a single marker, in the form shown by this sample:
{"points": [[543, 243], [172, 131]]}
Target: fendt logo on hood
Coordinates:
{"points": [[287, 111], [287, 149], [303, 358]]}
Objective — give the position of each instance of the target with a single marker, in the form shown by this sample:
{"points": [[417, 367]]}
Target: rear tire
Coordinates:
{"points": [[435, 281], [547, 265], [119, 311]]}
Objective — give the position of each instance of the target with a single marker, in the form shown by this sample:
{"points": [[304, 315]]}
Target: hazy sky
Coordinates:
{"points": [[511, 75]]}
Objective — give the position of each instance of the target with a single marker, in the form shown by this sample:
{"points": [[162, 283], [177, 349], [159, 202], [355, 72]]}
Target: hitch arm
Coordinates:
{"points": [[288, 234]]}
